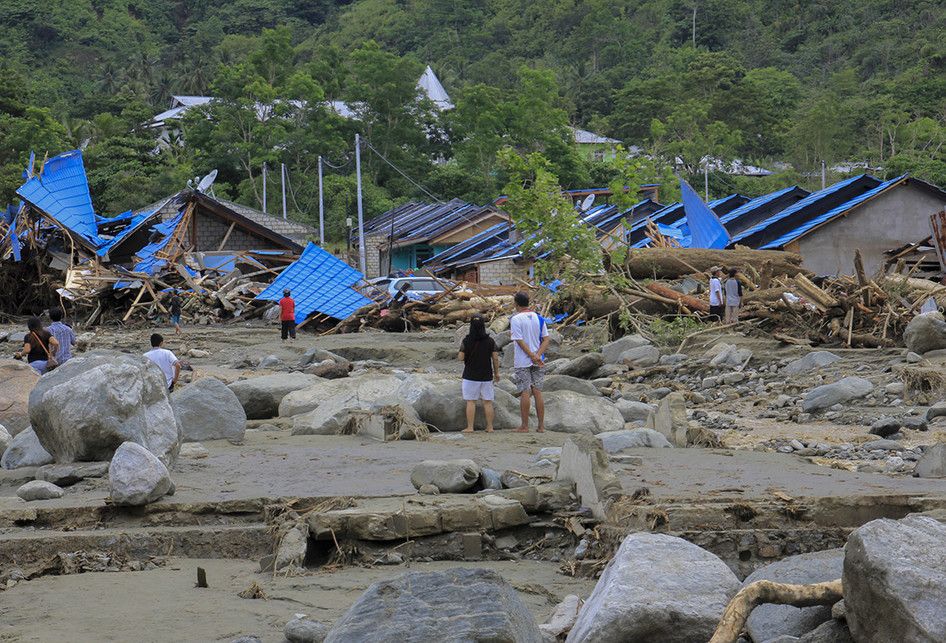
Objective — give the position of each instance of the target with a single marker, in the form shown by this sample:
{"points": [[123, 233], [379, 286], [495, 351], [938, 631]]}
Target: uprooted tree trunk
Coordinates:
{"points": [[737, 612], [672, 263]]}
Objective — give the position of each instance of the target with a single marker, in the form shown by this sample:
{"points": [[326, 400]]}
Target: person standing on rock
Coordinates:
{"points": [[530, 338], [39, 347], [480, 357], [287, 315], [733, 296], [63, 334], [165, 359], [717, 309]]}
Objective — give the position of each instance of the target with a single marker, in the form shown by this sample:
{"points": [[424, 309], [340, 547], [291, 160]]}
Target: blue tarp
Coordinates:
{"points": [[135, 221], [320, 282], [62, 192], [788, 237], [705, 229]]}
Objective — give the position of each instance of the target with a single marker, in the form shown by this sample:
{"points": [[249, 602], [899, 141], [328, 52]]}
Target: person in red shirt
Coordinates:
{"points": [[287, 315]]}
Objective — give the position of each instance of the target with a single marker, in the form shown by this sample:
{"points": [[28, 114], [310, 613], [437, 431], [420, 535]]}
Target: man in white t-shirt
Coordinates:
{"points": [[165, 359], [530, 339], [717, 308]]}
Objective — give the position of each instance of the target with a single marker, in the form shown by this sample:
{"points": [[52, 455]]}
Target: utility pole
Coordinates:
{"points": [[282, 176], [694, 25], [321, 208], [824, 174], [361, 220], [706, 180], [264, 187]]}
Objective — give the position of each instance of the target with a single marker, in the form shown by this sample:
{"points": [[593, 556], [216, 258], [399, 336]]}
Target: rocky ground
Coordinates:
{"points": [[751, 449]]}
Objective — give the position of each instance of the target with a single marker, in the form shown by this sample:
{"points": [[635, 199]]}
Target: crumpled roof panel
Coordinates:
{"points": [[320, 282], [61, 190]]}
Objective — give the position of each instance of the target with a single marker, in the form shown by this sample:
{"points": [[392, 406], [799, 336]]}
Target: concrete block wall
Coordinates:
{"points": [[209, 231], [372, 255], [503, 272]]}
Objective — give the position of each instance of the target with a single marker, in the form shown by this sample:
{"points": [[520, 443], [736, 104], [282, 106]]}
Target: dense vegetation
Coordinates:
{"points": [[760, 80]]}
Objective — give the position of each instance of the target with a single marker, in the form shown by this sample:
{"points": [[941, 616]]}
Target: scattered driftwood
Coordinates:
{"points": [[737, 612]]}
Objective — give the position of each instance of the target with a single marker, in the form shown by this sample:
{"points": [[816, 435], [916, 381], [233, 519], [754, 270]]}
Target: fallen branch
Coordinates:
{"points": [[737, 612]]}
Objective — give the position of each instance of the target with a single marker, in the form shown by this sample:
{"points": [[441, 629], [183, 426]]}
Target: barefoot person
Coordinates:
{"points": [[530, 338], [480, 358]]}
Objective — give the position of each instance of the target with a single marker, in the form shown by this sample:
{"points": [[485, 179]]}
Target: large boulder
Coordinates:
{"points": [[640, 357], [25, 451], [810, 362], [18, 380], [208, 410], [365, 389], [86, 408], [438, 606], [5, 439], [932, 464], [844, 390], [558, 382], [671, 419], [136, 476], [439, 402], [612, 352], [260, 396], [617, 441], [569, 412], [656, 588], [895, 581], [771, 621], [926, 332], [585, 464], [449, 476], [633, 411], [581, 366]]}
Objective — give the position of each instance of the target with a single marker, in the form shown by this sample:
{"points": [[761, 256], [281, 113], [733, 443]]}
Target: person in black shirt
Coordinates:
{"points": [[39, 346], [480, 358], [174, 303]]}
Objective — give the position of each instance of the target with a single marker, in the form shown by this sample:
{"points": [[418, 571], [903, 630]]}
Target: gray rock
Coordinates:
{"points": [[723, 355], [633, 411], [5, 439], [270, 361], [810, 362], [582, 366], [844, 390], [136, 476], [829, 632], [609, 370], [673, 359], [932, 464], [894, 388], [640, 357], [25, 451], [315, 355], [329, 370], [886, 445], [39, 490], [293, 545], [569, 412], [770, 621], [895, 580], [913, 358], [885, 426], [584, 463], [428, 490], [449, 476], [915, 424], [564, 616], [438, 401], [558, 382], [302, 630], [208, 410], [656, 588], [513, 480], [18, 380], [490, 479], [612, 352], [671, 419], [937, 410], [260, 396], [437, 606], [617, 441], [65, 475], [926, 332], [88, 406]]}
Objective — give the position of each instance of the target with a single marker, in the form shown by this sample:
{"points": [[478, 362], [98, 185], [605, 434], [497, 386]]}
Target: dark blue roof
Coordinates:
{"points": [[810, 202], [320, 282], [756, 203], [61, 190], [788, 237]]}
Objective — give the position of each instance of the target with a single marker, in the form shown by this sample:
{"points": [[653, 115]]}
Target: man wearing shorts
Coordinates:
{"points": [[530, 339]]}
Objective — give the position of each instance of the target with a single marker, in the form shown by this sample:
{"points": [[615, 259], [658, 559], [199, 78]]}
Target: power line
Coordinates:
{"points": [[398, 170]]}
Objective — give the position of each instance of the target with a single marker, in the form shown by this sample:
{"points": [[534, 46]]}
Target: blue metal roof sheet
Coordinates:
{"points": [[677, 223], [320, 282], [61, 190], [755, 203], [812, 198], [788, 237]]}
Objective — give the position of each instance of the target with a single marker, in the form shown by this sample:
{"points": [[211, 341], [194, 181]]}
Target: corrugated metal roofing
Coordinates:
{"points": [[417, 222], [674, 216], [809, 201], [61, 190], [755, 204], [320, 282], [460, 253], [788, 237]]}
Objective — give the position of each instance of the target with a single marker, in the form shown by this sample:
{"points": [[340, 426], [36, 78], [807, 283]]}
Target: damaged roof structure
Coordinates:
{"points": [[217, 254]]}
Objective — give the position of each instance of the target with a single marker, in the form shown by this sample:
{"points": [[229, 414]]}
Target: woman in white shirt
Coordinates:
{"points": [[717, 309]]}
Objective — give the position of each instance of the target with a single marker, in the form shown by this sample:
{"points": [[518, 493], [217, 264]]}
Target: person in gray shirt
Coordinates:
{"points": [[63, 334]]}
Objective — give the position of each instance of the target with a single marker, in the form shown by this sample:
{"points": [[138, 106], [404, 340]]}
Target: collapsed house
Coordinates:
{"points": [[219, 255]]}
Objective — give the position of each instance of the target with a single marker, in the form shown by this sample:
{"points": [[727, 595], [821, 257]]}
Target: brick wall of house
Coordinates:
{"points": [[503, 272], [372, 255], [209, 231]]}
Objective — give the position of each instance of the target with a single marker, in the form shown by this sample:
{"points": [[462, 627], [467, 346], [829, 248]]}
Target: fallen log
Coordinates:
{"points": [[737, 612], [671, 263], [692, 303]]}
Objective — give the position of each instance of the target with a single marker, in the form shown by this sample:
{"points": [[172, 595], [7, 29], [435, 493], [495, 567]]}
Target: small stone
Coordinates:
{"points": [[796, 445], [915, 424], [198, 353], [913, 358], [885, 426], [194, 450], [894, 388], [302, 630], [39, 490], [428, 490]]}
